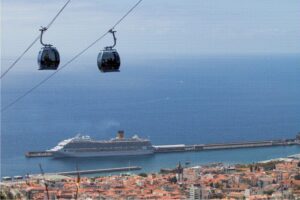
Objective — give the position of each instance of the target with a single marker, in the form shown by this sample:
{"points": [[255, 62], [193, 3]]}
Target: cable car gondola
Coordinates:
{"points": [[48, 58], [108, 59]]}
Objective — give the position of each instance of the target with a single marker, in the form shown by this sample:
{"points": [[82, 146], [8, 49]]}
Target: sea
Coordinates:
{"points": [[170, 100]]}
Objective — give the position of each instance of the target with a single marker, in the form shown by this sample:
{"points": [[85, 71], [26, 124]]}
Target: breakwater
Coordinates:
{"points": [[95, 171], [70, 173], [222, 146]]}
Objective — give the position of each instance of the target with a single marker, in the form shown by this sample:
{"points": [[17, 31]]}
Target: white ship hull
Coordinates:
{"points": [[60, 154]]}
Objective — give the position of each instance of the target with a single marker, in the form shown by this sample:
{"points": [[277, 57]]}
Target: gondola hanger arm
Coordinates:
{"points": [[43, 29], [112, 31]]}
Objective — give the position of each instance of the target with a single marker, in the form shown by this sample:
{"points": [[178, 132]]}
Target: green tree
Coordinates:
{"points": [[269, 192], [143, 174], [173, 179], [297, 177], [2, 195]]}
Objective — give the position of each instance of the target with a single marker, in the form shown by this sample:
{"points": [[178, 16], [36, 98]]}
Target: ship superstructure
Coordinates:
{"points": [[85, 146]]}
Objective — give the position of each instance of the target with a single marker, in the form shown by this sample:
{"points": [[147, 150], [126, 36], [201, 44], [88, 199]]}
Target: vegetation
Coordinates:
{"points": [[93, 179], [242, 165], [255, 167], [143, 174], [217, 196], [297, 177], [173, 179], [2, 195], [6, 195], [269, 165], [269, 192]]}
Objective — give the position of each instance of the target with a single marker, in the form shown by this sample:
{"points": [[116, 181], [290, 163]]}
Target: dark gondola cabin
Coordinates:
{"points": [[48, 58], [109, 61]]}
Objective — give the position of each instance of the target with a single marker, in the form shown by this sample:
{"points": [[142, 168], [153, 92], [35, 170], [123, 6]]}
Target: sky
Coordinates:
{"points": [[156, 27]]}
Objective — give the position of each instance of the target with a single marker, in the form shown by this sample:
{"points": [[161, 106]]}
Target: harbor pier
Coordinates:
{"points": [[32, 154], [201, 147], [222, 146]]}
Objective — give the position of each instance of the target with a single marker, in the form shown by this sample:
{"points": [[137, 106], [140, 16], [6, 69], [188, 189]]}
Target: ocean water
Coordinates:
{"points": [[206, 99]]}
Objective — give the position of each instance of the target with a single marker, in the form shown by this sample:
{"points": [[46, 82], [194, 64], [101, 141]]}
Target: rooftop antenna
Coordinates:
{"points": [[44, 180], [129, 167], [77, 182], [27, 179]]}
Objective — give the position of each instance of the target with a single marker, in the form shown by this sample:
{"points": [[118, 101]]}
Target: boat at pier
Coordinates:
{"points": [[85, 146]]}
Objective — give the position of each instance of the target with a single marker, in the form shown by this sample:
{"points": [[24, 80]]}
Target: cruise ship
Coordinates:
{"points": [[85, 146]]}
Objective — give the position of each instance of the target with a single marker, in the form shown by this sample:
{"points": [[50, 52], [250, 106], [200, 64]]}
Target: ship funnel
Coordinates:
{"points": [[120, 135]]}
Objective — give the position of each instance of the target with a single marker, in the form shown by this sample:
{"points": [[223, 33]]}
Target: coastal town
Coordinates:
{"points": [[274, 179], [150, 100]]}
